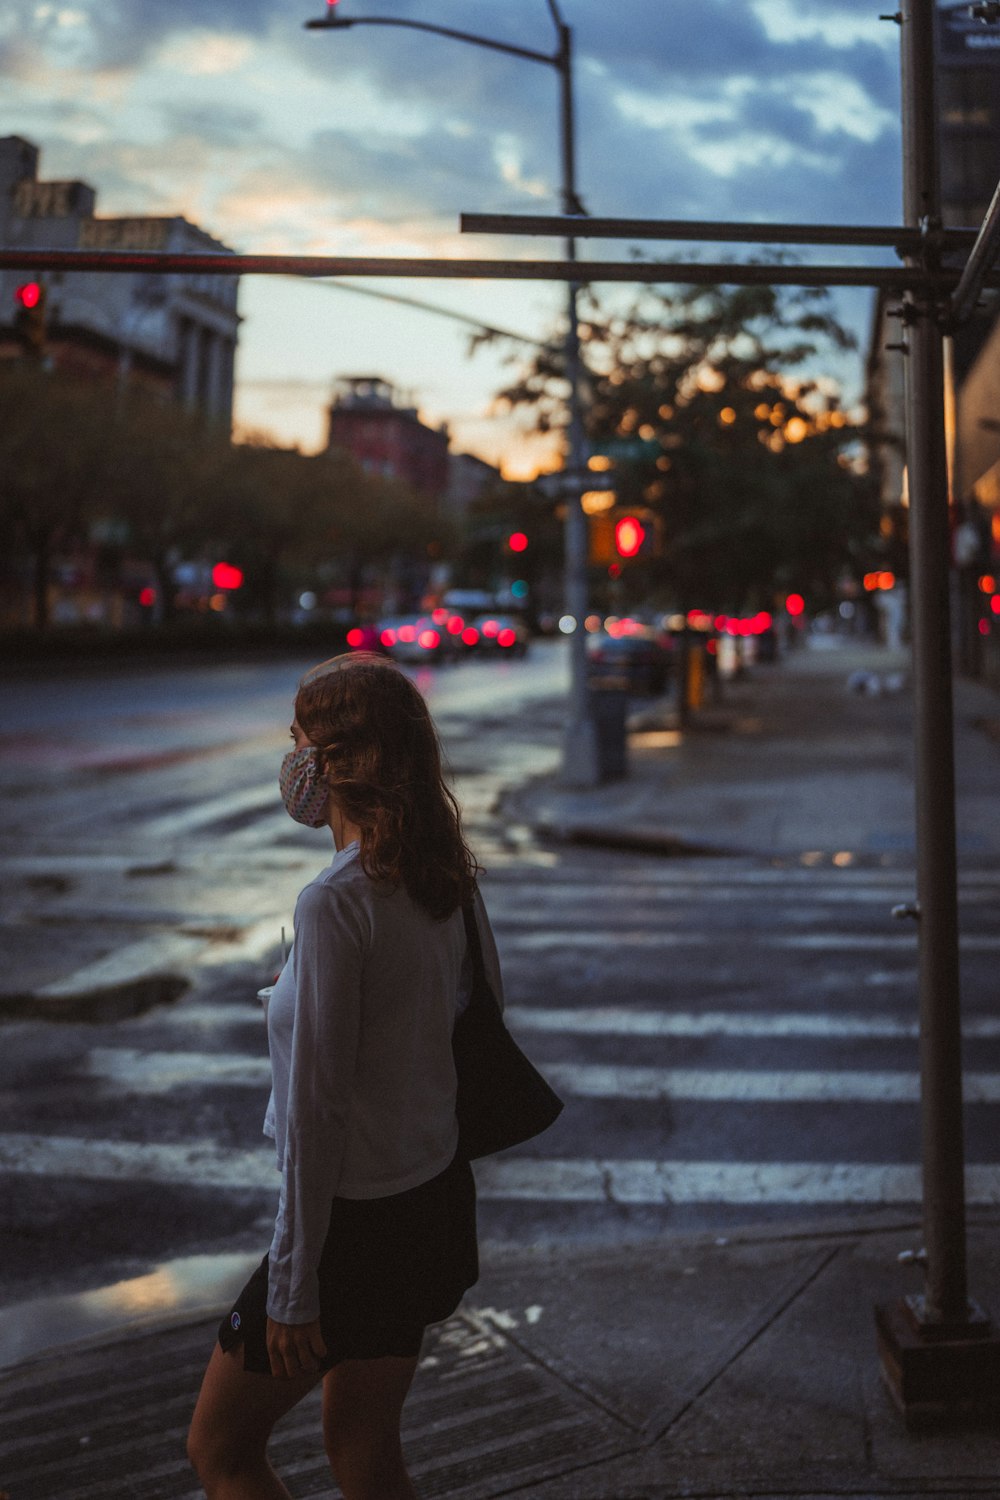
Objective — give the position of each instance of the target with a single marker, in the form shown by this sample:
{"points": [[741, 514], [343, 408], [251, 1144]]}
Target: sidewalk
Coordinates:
{"points": [[711, 1366], [696, 1366], [789, 761]]}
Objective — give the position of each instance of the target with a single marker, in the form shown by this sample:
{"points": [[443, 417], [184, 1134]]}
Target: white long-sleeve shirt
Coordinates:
{"points": [[359, 1031]]}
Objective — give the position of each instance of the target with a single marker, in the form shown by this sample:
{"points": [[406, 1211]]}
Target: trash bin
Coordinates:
{"points": [[609, 710]]}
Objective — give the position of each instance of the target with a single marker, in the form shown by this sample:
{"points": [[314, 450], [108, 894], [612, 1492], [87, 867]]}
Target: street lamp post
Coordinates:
{"points": [[580, 764]]}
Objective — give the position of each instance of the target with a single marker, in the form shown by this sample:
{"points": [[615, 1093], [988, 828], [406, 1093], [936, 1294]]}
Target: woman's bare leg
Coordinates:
{"points": [[362, 1404], [232, 1422]]}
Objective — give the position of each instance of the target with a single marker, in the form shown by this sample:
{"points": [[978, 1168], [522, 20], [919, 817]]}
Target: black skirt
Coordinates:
{"points": [[389, 1266]]}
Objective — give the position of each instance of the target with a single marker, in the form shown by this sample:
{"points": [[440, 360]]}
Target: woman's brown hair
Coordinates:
{"points": [[382, 760]]}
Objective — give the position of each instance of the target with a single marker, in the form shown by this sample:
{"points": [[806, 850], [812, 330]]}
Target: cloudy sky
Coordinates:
{"points": [[374, 140]]}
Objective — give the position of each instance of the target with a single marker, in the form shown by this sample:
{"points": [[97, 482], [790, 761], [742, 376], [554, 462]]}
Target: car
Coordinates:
{"points": [[415, 638], [501, 635], [638, 657]]}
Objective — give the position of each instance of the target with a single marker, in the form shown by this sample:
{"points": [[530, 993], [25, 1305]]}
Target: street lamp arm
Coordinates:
{"points": [[339, 23]]}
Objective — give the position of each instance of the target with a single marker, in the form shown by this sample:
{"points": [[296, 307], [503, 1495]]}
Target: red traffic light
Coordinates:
{"points": [[517, 541], [28, 295], [225, 576], [629, 536]]}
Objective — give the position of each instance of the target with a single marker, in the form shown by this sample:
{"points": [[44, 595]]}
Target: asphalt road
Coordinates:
{"points": [[735, 1038]]}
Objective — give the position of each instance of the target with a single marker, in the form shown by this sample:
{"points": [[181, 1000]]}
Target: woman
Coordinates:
{"points": [[375, 1235]]}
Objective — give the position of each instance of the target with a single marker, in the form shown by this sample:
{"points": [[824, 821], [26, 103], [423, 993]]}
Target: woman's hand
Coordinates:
{"points": [[294, 1349]]}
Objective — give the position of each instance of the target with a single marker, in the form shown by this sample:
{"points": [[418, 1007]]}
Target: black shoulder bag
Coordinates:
{"points": [[502, 1098]]}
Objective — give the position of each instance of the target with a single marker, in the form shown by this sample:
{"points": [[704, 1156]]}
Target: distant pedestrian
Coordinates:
{"points": [[375, 1235]]}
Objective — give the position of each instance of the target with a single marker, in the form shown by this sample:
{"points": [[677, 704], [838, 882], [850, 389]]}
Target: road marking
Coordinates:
{"points": [[614, 939], [147, 959], [757, 1183], [141, 1072], [214, 810], [739, 1086], [721, 873], [203, 1014], [195, 1163], [571, 1180], [621, 1021], [272, 825], [163, 956], [618, 1021], [526, 905], [136, 1071]]}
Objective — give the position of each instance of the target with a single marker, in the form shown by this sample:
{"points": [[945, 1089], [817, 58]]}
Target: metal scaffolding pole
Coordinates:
{"points": [[891, 236], [938, 1353], [941, 1093], [982, 259], [665, 272]]}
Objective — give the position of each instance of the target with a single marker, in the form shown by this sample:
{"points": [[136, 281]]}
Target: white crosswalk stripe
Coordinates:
{"points": [[623, 1021], [569, 938], [207, 1165], [159, 1072], [619, 1021], [212, 810]]}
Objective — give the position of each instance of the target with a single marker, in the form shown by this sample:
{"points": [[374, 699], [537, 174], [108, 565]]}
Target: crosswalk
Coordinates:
{"points": [[800, 1090]]}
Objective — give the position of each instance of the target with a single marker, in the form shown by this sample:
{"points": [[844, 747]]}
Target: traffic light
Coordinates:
{"points": [[225, 576], [29, 319], [517, 541], [632, 538]]}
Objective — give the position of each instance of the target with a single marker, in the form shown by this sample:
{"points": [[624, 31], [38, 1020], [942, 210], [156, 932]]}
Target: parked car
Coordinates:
{"points": [[639, 657]]}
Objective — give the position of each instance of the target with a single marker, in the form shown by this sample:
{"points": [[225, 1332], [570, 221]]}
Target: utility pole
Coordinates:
{"points": [[580, 763]]}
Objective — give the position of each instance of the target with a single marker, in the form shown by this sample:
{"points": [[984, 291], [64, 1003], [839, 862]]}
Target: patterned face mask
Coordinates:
{"points": [[303, 788]]}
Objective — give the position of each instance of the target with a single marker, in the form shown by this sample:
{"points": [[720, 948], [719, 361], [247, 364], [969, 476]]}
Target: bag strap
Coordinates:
{"points": [[472, 938], [482, 990]]}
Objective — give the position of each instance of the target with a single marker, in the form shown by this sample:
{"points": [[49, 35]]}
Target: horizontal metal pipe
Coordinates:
{"points": [[982, 258], [726, 273], [893, 236]]}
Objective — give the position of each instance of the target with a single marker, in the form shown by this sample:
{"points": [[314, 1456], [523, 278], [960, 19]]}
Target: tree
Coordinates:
{"points": [[54, 450], [289, 516], [164, 478], [745, 465]]}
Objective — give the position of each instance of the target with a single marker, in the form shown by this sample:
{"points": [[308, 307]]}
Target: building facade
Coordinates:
{"points": [[369, 421], [968, 114], [175, 335]]}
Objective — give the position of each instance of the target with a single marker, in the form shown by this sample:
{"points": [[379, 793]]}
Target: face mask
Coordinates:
{"points": [[303, 788]]}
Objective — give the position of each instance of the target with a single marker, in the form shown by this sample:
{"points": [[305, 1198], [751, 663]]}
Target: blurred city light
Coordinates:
{"points": [[225, 576]]}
